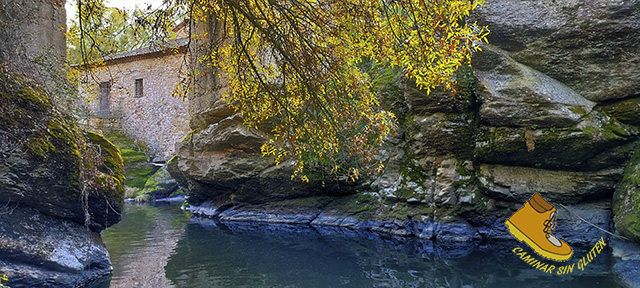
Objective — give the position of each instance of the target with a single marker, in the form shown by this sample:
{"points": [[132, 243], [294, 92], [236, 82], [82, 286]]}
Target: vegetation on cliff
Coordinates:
{"points": [[137, 167], [626, 200], [51, 164]]}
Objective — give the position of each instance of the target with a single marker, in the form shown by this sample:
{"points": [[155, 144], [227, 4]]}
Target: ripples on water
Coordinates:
{"points": [[159, 246]]}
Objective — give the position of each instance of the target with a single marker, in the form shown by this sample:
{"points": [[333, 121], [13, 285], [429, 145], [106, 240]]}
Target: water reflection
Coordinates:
{"points": [[171, 251], [240, 255], [141, 244]]}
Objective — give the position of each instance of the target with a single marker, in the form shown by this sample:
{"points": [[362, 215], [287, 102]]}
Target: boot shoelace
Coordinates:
{"points": [[549, 226]]}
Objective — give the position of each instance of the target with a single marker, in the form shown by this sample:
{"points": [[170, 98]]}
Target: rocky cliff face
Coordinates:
{"points": [[59, 187], [550, 106]]}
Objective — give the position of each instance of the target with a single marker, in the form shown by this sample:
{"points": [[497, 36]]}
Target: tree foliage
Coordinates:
{"points": [[293, 69], [100, 31], [295, 63]]}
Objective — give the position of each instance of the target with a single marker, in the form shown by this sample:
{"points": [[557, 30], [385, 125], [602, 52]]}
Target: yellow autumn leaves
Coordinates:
{"points": [[293, 70]]}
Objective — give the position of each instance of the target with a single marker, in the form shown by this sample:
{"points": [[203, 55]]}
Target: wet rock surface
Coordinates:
{"points": [[626, 258], [59, 187], [43, 251]]}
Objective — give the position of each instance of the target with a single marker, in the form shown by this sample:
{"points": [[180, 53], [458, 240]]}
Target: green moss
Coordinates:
{"points": [[548, 138], [626, 111], [123, 141], [444, 213], [499, 140], [410, 170], [177, 193], [112, 166], [626, 200], [135, 159], [363, 208], [578, 110], [614, 131], [403, 210], [110, 153], [404, 193], [138, 176], [466, 86], [40, 145], [131, 156], [590, 131], [16, 90]]}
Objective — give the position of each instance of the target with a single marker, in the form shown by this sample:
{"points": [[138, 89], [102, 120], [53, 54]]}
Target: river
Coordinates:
{"points": [[160, 245]]}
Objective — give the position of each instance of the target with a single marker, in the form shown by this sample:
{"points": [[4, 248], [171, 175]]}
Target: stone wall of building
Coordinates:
{"points": [[33, 41], [156, 117]]}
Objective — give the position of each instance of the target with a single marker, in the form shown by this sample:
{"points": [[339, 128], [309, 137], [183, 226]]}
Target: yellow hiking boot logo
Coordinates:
{"points": [[533, 224]]}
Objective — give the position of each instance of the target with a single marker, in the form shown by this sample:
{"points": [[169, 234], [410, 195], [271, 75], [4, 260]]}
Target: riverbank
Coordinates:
{"points": [[452, 239], [404, 220], [209, 252]]}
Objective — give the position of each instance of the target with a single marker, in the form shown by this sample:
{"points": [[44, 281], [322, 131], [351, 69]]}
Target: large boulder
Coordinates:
{"points": [[223, 162], [590, 46], [513, 94], [55, 182], [159, 185], [517, 184], [49, 164], [39, 250]]}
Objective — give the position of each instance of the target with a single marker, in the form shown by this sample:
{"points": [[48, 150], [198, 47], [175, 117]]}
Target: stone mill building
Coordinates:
{"points": [[132, 94]]}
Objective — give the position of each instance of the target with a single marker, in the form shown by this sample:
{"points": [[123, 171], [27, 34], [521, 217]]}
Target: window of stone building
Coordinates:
{"points": [[104, 90], [139, 88]]}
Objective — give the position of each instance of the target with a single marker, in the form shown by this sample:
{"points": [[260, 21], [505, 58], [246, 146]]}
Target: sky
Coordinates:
{"points": [[128, 4]]}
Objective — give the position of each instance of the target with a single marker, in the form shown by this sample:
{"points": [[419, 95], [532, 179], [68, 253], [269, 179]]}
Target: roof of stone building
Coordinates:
{"points": [[153, 48]]}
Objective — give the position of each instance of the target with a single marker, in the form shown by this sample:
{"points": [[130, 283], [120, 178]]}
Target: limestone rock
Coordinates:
{"points": [[45, 156], [439, 134], [446, 176], [160, 184], [420, 103], [591, 47], [214, 114], [513, 94], [55, 182], [570, 148], [224, 161], [517, 184], [626, 201], [43, 251]]}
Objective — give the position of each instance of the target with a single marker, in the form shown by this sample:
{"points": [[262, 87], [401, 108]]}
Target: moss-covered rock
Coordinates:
{"points": [[112, 167], [626, 111], [137, 167], [50, 164], [566, 148], [626, 200], [159, 185]]}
